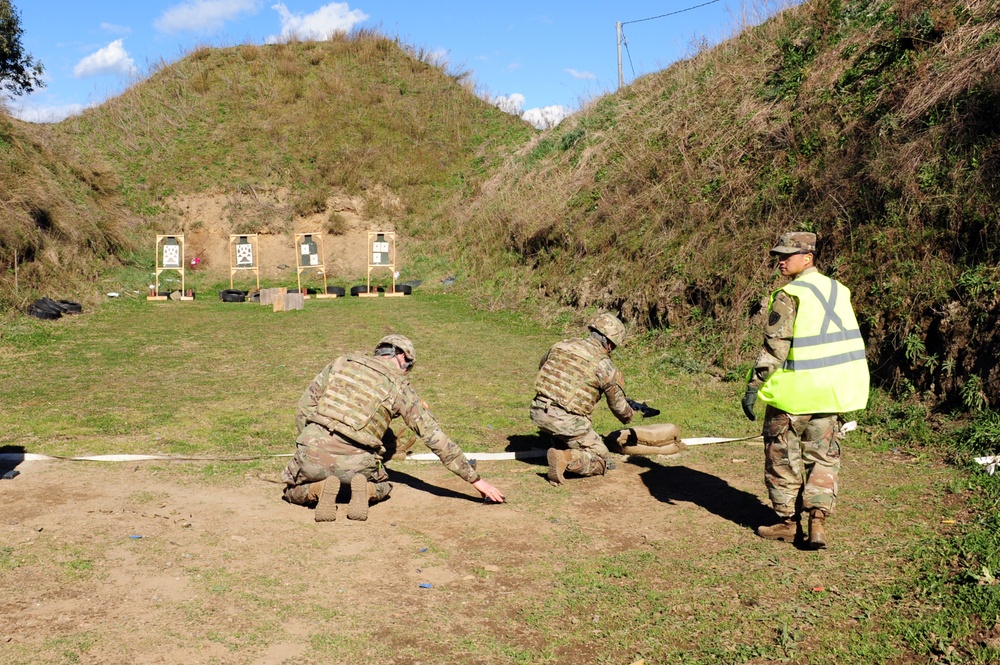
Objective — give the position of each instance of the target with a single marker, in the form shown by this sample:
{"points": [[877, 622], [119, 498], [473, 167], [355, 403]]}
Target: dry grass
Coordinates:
{"points": [[57, 217], [872, 123], [354, 112]]}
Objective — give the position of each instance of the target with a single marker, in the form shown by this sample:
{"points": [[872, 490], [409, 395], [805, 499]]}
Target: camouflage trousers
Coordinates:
{"points": [[801, 461], [320, 455], [587, 449]]}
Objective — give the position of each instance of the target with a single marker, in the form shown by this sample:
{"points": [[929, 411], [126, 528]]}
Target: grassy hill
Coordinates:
{"points": [[351, 114], [871, 122], [360, 115], [59, 219]]}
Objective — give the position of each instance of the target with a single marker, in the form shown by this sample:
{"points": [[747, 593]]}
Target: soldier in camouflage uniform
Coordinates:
{"points": [[343, 422], [801, 366], [571, 379]]}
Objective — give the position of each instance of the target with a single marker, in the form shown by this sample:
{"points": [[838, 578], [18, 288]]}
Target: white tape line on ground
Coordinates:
{"points": [[492, 457], [712, 439], [34, 457], [991, 463], [422, 457], [527, 454]]}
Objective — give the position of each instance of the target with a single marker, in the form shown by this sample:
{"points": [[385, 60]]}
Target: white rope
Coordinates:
{"points": [[422, 457], [34, 457], [528, 454]]}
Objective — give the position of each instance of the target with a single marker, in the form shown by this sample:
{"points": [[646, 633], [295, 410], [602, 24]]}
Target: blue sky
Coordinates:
{"points": [[539, 58]]}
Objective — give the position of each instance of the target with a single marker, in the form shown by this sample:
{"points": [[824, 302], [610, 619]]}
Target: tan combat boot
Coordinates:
{"points": [[784, 530], [362, 492], [817, 534], [326, 499], [558, 459]]}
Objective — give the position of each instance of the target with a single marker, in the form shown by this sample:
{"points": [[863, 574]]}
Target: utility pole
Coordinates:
{"points": [[618, 29]]}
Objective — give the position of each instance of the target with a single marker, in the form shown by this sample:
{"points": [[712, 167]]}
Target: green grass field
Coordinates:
{"points": [[657, 562]]}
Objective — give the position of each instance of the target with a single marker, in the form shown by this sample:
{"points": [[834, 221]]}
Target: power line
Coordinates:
{"points": [[628, 53], [621, 36], [679, 11]]}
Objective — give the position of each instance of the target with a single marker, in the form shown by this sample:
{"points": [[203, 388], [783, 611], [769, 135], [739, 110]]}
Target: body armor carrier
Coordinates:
{"points": [[569, 375], [358, 400]]}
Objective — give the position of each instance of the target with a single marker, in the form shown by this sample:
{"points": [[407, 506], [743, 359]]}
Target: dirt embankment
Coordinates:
{"points": [[208, 220]]}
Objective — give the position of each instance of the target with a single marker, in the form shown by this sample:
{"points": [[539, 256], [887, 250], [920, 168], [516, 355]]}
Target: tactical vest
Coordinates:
{"points": [[358, 399], [826, 370], [569, 375]]}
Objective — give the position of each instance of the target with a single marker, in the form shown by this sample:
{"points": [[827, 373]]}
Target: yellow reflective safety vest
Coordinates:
{"points": [[826, 370]]}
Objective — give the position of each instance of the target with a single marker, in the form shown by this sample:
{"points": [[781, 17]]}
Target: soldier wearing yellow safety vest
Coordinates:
{"points": [[810, 369]]}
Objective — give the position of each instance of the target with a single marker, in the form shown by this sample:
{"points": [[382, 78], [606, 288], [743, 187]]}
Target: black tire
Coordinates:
{"points": [[359, 289], [70, 307], [233, 295], [405, 289], [49, 303], [336, 290], [40, 310]]}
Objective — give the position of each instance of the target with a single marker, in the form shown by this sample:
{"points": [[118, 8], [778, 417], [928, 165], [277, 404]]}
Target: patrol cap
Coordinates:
{"points": [[610, 326], [795, 242], [400, 342]]}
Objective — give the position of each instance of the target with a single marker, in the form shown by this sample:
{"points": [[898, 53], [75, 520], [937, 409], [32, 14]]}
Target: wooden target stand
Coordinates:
{"points": [[310, 255], [381, 254], [169, 256], [244, 255]]}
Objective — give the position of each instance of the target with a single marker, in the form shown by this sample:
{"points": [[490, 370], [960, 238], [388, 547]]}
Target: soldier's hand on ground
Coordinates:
{"points": [[749, 398], [489, 492]]}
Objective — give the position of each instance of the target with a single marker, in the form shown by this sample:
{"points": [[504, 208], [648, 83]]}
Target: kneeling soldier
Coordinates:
{"points": [[343, 419], [571, 379]]}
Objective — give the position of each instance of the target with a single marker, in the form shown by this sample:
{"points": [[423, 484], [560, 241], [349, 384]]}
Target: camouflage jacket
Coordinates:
{"points": [[777, 337], [606, 380], [406, 404]]}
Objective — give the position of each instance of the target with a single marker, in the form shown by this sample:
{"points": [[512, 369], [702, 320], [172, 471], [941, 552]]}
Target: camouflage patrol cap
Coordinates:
{"points": [[400, 342], [609, 326], [795, 242]]}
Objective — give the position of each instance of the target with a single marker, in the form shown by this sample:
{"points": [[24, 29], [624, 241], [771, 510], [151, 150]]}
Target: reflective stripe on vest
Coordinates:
{"points": [[826, 370]]}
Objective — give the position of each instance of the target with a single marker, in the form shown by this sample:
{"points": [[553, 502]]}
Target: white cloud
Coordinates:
{"points": [[116, 29], [204, 15], [510, 103], [112, 59], [439, 57], [325, 21], [546, 117], [580, 75], [39, 113]]}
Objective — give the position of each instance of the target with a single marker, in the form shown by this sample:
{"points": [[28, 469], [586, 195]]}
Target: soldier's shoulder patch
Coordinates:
{"points": [[773, 318], [424, 404]]}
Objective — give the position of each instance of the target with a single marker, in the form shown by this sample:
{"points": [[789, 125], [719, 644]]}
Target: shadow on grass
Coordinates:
{"points": [[397, 476], [670, 484], [12, 456], [521, 442]]}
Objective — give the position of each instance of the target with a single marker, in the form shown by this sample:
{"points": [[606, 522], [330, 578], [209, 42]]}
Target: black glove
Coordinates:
{"points": [[748, 401]]}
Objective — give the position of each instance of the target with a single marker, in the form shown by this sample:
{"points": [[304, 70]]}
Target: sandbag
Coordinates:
{"points": [[660, 439]]}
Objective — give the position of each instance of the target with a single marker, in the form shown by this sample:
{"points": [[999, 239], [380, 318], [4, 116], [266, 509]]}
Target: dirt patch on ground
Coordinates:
{"points": [[125, 563], [114, 563]]}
